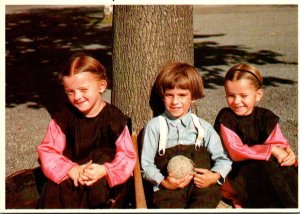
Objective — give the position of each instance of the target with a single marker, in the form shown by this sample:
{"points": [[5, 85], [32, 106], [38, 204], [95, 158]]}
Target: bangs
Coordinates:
{"points": [[181, 82], [182, 76]]}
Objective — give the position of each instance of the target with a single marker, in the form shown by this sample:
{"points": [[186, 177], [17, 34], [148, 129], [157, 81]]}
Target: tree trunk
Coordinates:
{"points": [[145, 38]]}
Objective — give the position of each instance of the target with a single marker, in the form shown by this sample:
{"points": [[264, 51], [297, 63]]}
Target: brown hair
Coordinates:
{"points": [[245, 71], [180, 75], [81, 62]]}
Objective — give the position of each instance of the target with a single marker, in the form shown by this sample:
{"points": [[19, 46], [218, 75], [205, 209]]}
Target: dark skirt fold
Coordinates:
{"points": [[265, 184]]}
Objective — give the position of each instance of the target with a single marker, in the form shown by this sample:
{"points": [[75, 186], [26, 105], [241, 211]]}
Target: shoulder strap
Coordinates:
{"points": [[200, 131], [163, 132]]}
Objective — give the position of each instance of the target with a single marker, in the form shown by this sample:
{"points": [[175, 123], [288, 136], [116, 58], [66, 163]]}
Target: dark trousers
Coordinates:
{"points": [[190, 196]]}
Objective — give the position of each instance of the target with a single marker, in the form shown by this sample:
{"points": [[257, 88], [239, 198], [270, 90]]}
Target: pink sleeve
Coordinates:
{"points": [[239, 151], [119, 170], [277, 138], [54, 165]]}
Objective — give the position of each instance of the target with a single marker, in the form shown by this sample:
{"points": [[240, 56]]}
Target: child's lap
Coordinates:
{"points": [[263, 183], [257, 168], [188, 197], [200, 157]]}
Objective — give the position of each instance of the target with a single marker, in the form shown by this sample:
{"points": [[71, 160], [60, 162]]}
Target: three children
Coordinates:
{"points": [[87, 152]]}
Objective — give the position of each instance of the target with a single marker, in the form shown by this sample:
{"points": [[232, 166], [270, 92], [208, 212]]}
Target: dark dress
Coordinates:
{"points": [[258, 183], [86, 139]]}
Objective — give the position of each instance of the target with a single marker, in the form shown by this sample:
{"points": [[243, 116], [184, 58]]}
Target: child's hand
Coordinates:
{"points": [[92, 173], [174, 183], [75, 173], [290, 158], [279, 153], [204, 178], [82, 178]]}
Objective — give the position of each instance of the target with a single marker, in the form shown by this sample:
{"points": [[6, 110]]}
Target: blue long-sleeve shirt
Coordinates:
{"points": [[181, 131]]}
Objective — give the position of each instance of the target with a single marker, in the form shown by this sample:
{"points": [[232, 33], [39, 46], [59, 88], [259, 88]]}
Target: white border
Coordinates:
{"points": [[139, 2], [113, 2]]}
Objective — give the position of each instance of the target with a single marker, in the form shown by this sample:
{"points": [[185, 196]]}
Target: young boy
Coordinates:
{"points": [[178, 131]]}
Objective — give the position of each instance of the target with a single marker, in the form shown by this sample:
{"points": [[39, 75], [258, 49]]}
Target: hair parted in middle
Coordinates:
{"points": [[180, 75], [245, 71], [82, 62]]}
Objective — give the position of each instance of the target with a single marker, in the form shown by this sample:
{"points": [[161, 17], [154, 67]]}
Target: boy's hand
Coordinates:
{"points": [[204, 178], [176, 183]]}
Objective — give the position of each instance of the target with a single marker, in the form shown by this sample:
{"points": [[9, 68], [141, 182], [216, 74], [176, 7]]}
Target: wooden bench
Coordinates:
{"points": [[140, 199]]}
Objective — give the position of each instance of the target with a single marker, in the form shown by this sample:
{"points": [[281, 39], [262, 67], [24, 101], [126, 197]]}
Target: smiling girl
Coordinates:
{"points": [[87, 153], [263, 173]]}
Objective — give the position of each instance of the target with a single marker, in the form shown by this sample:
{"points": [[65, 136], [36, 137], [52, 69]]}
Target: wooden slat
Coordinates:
{"points": [[138, 182]]}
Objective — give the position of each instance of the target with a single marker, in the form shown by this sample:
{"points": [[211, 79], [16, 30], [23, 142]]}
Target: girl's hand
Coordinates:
{"points": [[75, 173], [92, 173], [82, 178], [204, 178], [176, 183], [279, 153], [290, 158]]}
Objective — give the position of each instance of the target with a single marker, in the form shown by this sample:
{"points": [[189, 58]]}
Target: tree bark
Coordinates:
{"points": [[145, 37]]}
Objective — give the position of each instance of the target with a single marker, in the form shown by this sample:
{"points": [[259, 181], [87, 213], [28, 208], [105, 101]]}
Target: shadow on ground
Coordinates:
{"points": [[38, 42], [208, 55]]}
